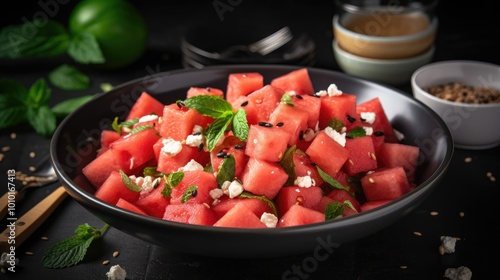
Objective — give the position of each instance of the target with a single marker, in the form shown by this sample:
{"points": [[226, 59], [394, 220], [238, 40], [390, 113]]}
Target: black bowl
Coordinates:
{"points": [[77, 138]]}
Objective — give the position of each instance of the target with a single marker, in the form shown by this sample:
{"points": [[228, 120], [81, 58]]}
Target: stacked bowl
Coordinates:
{"points": [[384, 41]]}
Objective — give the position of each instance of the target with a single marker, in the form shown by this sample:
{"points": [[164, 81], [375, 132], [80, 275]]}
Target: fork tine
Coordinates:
{"points": [[272, 42]]}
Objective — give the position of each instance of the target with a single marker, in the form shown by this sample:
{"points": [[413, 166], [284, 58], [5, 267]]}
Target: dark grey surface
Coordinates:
{"points": [[465, 32]]}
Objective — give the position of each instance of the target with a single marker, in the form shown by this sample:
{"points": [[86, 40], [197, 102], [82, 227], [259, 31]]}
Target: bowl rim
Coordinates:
{"points": [[419, 90], [322, 227], [396, 61], [385, 39]]}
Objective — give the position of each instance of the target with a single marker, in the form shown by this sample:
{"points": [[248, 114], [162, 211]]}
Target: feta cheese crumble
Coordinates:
{"points": [[459, 273], [448, 244], [305, 181], [192, 165], [171, 147], [339, 137], [270, 220], [368, 130], [234, 189], [116, 272], [333, 90], [369, 117], [147, 118], [309, 134]]}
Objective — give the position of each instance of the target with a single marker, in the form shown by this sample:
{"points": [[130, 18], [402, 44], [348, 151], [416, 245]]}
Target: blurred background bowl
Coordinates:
{"points": [[389, 71], [473, 126]]}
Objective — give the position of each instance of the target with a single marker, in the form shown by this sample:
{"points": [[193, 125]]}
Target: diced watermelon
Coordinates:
{"points": [[195, 214], [204, 183], [297, 80], [384, 184], [368, 205], [177, 122], [171, 163], [257, 206], [263, 178], [381, 122], [145, 105], [139, 145], [362, 157], [122, 203], [299, 215], [259, 104], [154, 202], [342, 108], [242, 84], [396, 154], [240, 216], [194, 91], [113, 189], [230, 146], [266, 143], [310, 104], [329, 155], [303, 166], [288, 196], [291, 120], [99, 169], [341, 195], [108, 137]]}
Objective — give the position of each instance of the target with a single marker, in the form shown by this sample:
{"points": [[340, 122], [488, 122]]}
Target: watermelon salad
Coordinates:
{"points": [[253, 155]]}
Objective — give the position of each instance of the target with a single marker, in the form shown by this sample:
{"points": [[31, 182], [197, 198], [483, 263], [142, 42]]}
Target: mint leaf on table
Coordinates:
{"points": [[33, 39], [67, 77], [68, 106], [84, 48], [12, 107], [42, 119], [72, 250]]}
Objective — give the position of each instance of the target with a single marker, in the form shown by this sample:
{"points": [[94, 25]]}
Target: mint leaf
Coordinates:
{"points": [[334, 184], [209, 105], [140, 128], [37, 38], [67, 77], [240, 125], [215, 131], [358, 131], [38, 94], [131, 185], [226, 170], [336, 124], [288, 165], [68, 106], [72, 250], [126, 125], [190, 192], [43, 120], [106, 87], [287, 99], [334, 210], [271, 204], [84, 49], [12, 107], [172, 180]]}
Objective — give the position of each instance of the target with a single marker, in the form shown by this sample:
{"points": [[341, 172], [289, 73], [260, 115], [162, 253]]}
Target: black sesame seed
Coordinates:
{"points": [[196, 133], [378, 133], [280, 124], [301, 135], [351, 119], [299, 96], [222, 154], [265, 124], [244, 104], [208, 89], [238, 147], [349, 136], [363, 120], [200, 147], [194, 193]]}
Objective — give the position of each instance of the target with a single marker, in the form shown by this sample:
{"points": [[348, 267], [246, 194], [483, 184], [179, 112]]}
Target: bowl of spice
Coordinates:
{"points": [[466, 95]]}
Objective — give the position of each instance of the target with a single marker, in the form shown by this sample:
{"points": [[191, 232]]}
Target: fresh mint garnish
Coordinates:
{"points": [[334, 184], [226, 170], [335, 124], [224, 115], [67, 77], [131, 185], [271, 204], [190, 192], [126, 125], [358, 131], [72, 250], [334, 210], [288, 165], [140, 128], [287, 99], [172, 180]]}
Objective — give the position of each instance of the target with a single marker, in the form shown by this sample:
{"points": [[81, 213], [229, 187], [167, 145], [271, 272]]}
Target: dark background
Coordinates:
{"points": [[467, 30]]}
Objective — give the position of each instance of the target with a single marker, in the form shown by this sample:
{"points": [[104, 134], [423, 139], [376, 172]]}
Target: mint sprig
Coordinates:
{"points": [[334, 184], [225, 117], [67, 77], [72, 250], [226, 170]]}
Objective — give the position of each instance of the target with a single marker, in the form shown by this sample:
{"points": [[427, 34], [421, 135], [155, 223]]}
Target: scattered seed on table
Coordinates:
{"points": [[417, 233], [468, 159], [115, 254], [2, 156], [105, 262], [44, 238], [29, 253], [434, 213], [13, 135], [493, 179], [32, 168], [462, 214], [403, 266], [32, 154], [441, 250], [5, 148], [489, 174]]}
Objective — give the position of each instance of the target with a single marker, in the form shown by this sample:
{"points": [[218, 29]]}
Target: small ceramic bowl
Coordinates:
{"points": [[473, 126], [389, 71]]}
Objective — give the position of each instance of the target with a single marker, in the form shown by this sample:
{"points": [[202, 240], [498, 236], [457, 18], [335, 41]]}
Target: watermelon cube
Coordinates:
{"points": [[290, 119], [266, 143], [256, 205], [299, 215], [195, 214], [145, 105], [242, 84], [113, 189], [362, 157], [303, 166], [298, 81], [240, 216], [259, 104], [368, 205], [381, 122], [124, 204], [327, 153], [204, 183], [341, 107], [154, 202], [168, 163], [178, 123], [384, 184], [194, 91], [396, 154], [230, 146], [341, 195], [139, 145], [263, 178], [288, 196], [310, 104], [99, 169]]}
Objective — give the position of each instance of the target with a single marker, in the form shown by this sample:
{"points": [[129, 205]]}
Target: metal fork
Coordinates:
{"points": [[264, 46]]}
